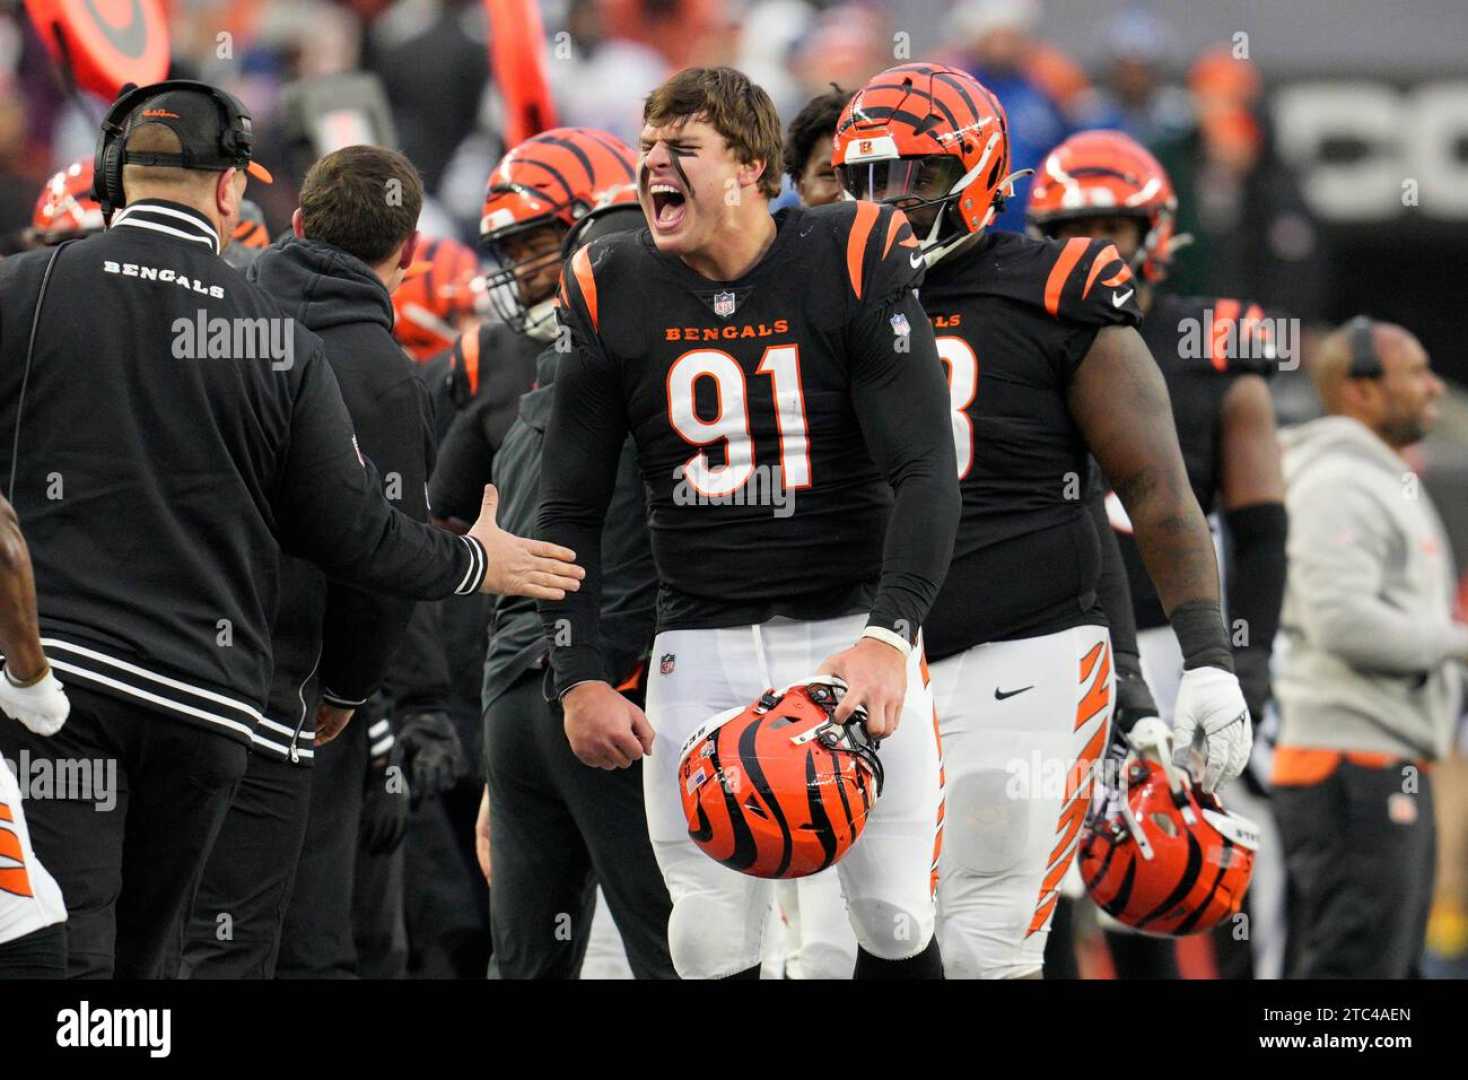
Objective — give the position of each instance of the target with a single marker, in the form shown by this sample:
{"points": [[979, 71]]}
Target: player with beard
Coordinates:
{"points": [[1215, 354], [1044, 364], [784, 393]]}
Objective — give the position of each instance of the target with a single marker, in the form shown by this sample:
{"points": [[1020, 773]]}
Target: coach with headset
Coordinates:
{"points": [[166, 431], [1367, 686]]}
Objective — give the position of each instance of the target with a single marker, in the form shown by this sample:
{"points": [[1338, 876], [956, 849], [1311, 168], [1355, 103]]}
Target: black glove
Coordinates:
{"points": [[384, 804], [433, 754], [1133, 702]]}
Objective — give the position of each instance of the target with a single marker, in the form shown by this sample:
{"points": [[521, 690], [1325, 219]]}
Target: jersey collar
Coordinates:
{"points": [[171, 219]]}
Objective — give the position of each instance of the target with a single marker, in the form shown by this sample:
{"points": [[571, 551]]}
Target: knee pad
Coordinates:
{"points": [[892, 931], [988, 823], [712, 936]]}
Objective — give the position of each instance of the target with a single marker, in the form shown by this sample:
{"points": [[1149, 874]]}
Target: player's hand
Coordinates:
{"points": [[40, 704], [481, 837], [605, 730], [876, 679], [1211, 724], [521, 567], [330, 722]]}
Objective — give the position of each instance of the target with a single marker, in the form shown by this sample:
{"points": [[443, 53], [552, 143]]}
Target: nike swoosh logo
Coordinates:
{"points": [[1117, 299], [1000, 695], [916, 261]]}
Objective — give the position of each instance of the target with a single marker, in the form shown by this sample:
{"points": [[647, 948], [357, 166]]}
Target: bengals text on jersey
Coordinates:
{"points": [[773, 417]]}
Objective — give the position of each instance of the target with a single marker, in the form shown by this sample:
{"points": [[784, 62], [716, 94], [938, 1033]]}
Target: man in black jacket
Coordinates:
{"points": [[555, 828], [335, 275], [169, 431]]}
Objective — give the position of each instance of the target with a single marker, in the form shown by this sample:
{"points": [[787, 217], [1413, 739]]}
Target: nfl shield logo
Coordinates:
{"points": [[723, 304], [666, 664], [900, 326]]}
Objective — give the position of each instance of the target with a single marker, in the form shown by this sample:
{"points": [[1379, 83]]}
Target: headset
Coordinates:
{"points": [[1365, 363], [236, 141]]}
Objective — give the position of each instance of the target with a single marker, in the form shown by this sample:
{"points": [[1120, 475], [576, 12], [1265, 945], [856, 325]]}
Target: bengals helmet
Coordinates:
{"points": [[1163, 856], [933, 141], [439, 291], [250, 231], [778, 789], [1108, 174], [66, 207], [552, 180]]}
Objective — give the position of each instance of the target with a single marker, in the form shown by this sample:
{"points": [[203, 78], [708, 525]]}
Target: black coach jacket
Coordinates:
{"points": [[178, 432]]}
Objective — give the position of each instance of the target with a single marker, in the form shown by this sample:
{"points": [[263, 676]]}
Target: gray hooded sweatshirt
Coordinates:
{"points": [[1371, 649]]}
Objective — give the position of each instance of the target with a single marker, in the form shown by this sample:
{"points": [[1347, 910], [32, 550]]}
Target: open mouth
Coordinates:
{"points": [[669, 205]]}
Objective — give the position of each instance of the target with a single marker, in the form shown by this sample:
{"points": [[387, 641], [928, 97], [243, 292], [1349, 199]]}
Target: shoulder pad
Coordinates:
{"points": [[875, 246], [1087, 281]]}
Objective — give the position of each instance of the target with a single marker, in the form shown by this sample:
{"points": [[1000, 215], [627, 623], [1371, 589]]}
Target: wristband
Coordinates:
{"points": [[888, 637], [1201, 635]]}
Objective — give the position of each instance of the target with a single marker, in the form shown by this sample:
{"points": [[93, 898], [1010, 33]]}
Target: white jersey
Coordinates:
{"points": [[29, 897]]}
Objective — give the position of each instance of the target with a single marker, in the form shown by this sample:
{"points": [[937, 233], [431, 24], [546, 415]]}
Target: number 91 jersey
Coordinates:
{"points": [[744, 397], [1014, 318]]}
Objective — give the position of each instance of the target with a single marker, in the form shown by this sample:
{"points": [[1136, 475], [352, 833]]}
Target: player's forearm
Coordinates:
{"points": [[918, 549], [1172, 536], [20, 639]]}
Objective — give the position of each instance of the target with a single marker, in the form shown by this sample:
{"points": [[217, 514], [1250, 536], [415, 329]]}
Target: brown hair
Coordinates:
{"points": [[733, 106], [364, 200]]}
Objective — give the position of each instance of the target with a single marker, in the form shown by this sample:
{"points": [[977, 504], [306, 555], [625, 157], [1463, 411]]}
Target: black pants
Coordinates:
{"points": [[128, 871], [557, 828], [317, 940], [1360, 854], [235, 930], [41, 954], [379, 930], [446, 901]]}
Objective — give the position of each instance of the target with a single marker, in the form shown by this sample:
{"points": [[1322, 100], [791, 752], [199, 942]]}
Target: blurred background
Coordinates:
{"points": [[1319, 147]]}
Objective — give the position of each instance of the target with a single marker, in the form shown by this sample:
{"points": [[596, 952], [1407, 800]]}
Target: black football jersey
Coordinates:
{"points": [[773, 416], [1013, 318], [1203, 345]]}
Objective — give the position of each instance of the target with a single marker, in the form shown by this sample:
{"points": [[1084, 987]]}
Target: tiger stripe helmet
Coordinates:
{"points": [[1109, 174], [65, 207], [552, 180], [933, 141], [435, 296], [778, 789], [1162, 857]]}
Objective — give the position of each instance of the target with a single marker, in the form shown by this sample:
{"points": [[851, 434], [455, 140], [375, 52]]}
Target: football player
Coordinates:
{"points": [[537, 192], [436, 301], [32, 914], [1044, 363], [782, 387], [1215, 354], [808, 148]]}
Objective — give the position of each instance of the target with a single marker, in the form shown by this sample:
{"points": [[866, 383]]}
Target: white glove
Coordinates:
{"points": [[1212, 721], [42, 707]]}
